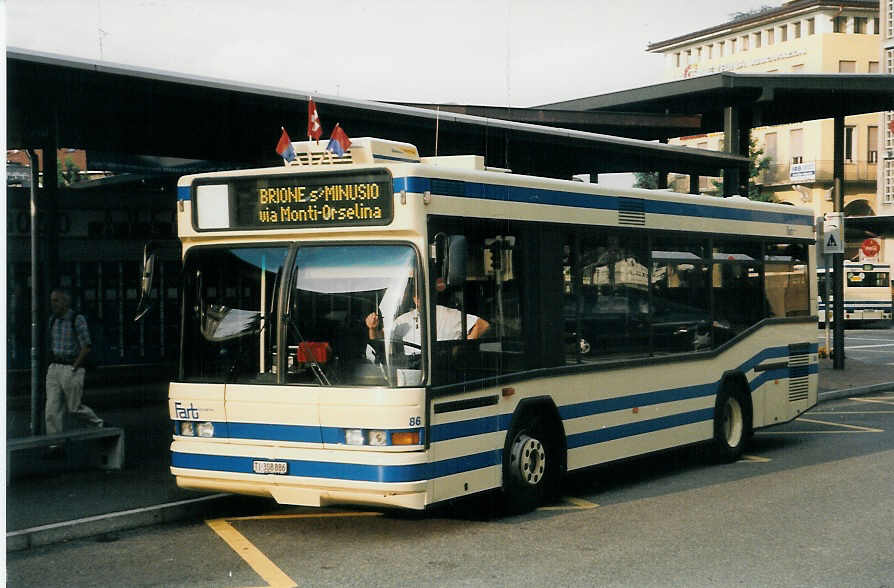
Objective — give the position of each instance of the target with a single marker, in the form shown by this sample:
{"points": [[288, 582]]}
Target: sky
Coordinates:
{"points": [[508, 52]]}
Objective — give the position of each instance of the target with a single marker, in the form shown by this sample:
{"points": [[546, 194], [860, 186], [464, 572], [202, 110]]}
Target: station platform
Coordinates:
{"points": [[57, 504]]}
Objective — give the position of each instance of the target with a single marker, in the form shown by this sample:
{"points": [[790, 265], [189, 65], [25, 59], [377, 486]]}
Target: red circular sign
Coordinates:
{"points": [[870, 247]]}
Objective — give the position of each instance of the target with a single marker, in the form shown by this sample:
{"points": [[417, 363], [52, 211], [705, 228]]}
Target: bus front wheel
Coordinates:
{"points": [[530, 464], [732, 424]]}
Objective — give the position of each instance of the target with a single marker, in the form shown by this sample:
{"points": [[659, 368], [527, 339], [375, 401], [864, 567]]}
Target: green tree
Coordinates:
{"points": [[649, 181], [69, 174], [757, 164]]}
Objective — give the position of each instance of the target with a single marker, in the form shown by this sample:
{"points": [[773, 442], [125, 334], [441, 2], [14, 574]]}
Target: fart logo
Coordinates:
{"points": [[191, 413]]}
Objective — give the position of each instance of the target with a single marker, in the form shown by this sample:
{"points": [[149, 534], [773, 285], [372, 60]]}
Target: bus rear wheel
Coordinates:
{"points": [[530, 465], [732, 424]]}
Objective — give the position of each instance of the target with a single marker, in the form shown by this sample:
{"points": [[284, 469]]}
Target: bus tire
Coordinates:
{"points": [[732, 422], [531, 463]]}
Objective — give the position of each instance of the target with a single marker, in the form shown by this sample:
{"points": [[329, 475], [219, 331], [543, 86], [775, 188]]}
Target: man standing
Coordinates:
{"points": [[69, 346]]}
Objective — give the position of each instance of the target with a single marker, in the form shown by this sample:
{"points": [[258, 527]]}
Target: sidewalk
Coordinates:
{"points": [[60, 506]]}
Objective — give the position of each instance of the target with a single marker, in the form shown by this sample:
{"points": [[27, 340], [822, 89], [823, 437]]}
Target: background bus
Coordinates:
{"points": [[334, 345], [867, 292]]}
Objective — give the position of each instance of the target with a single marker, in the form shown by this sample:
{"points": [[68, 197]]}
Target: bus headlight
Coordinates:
{"points": [[354, 436], [187, 428], [206, 429], [378, 438]]}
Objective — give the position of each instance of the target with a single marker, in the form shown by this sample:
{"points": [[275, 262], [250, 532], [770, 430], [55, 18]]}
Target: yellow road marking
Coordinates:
{"points": [[854, 427], [308, 515], [259, 562], [755, 459], [576, 504]]}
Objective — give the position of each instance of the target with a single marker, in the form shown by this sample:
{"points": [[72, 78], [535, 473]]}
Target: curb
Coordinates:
{"points": [[855, 391], [108, 524]]}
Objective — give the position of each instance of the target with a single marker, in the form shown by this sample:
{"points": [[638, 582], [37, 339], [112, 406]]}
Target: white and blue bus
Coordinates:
{"points": [[867, 293], [395, 330]]}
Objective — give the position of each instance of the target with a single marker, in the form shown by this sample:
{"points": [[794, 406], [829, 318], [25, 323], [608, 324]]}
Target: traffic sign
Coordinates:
{"points": [[832, 242], [870, 248]]}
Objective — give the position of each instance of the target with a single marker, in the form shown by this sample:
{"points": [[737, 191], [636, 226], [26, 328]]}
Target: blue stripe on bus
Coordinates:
{"points": [[296, 433], [292, 433], [479, 426], [649, 426], [342, 471], [783, 373], [184, 192], [592, 201]]}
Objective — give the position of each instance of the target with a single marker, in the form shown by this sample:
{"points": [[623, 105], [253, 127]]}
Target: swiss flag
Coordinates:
{"points": [[314, 129]]}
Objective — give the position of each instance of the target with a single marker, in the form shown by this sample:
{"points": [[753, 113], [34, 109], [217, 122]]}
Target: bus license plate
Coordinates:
{"points": [[270, 467]]}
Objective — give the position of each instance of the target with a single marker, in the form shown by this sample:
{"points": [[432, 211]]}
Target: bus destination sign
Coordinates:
{"points": [[313, 200]]}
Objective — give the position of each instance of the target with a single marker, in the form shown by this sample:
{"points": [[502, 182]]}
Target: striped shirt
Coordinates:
{"points": [[68, 335]]}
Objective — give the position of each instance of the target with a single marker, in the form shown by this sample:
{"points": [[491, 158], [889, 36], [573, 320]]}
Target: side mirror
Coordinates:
{"points": [[145, 305], [456, 251]]}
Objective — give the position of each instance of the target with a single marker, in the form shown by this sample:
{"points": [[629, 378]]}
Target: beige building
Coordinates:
{"points": [[799, 37]]}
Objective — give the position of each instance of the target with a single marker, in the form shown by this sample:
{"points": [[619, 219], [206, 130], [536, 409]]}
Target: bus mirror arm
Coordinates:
{"points": [[144, 306]]}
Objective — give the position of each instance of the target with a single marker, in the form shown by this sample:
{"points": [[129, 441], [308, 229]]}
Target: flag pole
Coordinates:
{"points": [[309, 138]]}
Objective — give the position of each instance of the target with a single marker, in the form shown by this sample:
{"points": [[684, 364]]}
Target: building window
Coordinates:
{"points": [[720, 47], [745, 43], [839, 24], [783, 33], [849, 137], [698, 55], [811, 26], [873, 67], [796, 30], [889, 136], [677, 59], [796, 145], [711, 51], [847, 66], [770, 35], [889, 181], [872, 144], [770, 147], [732, 46], [860, 25]]}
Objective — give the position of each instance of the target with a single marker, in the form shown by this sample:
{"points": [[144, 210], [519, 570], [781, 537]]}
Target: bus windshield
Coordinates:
{"points": [[344, 316], [352, 317]]}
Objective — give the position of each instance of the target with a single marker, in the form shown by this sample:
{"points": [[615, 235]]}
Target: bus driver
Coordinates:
{"points": [[448, 328]]}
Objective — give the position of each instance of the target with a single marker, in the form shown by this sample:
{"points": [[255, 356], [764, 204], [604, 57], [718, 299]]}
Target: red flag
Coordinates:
{"points": [[339, 141], [314, 129], [284, 146]]}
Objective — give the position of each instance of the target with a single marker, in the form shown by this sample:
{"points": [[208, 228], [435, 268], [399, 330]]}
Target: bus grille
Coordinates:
{"points": [[631, 211], [799, 378]]}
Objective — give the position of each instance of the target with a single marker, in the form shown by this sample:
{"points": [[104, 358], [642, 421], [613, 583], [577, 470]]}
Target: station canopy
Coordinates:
{"points": [[761, 99], [56, 101]]}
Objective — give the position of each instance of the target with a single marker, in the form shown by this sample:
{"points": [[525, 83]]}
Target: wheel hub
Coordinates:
{"points": [[528, 459], [732, 422]]}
